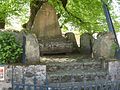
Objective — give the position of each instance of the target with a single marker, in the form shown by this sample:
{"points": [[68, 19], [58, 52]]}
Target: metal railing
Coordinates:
{"points": [[99, 85]]}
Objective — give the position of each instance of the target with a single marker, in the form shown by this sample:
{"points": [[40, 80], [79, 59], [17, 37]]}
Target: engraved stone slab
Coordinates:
{"points": [[46, 23]]}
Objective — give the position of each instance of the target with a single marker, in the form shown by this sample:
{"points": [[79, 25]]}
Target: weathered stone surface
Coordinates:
{"points": [[19, 36], [32, 49], [86, 43], [28, 73], [47, 30], [114, 70], [46, 23], [105, 46], [71, 37], [55, 46]]}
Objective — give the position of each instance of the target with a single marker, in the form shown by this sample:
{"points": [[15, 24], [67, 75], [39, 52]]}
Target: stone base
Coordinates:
{"points": [[55, 46], [76, 71]]}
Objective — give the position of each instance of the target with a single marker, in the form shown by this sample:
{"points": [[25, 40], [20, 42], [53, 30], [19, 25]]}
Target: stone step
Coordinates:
{"points": [[54, 67], [75, 85], [76, 75]]}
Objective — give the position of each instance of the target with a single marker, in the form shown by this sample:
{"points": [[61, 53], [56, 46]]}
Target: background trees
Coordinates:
{"points": [[11, 7], [83, 15]]}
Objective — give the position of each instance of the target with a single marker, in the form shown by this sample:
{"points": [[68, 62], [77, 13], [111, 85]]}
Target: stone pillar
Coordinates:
{"points": [[32, 49], [86, 43]]}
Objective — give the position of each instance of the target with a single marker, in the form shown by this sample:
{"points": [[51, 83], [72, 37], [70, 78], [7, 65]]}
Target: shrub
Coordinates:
{"points": [[10, 49]]}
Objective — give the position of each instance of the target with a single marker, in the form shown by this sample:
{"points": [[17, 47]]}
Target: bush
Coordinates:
{"points": [[10, 49]]}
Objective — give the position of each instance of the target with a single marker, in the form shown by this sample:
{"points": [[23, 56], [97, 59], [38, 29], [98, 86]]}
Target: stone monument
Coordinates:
{"points": [[46, 23], [105, 45], [47, 30], [32, 49]]}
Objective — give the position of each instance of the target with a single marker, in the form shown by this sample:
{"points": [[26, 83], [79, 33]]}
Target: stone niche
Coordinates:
{"points": [[47, 30], [105, 45]]}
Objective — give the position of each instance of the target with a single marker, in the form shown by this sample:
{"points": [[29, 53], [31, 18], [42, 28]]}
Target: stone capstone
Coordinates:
{"points": [[86, 43], [46, 23], [105, 46], [32, 49]]}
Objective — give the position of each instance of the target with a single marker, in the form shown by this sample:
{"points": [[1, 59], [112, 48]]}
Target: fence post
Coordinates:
{"points": [[85, 82], [47, 86], [12, 79], [23, 46], [35, 83], [23, 79], [29, 87]]}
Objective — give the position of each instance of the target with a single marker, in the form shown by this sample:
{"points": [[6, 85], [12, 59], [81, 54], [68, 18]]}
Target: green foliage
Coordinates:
{"points": [[82, 13], [87, 15], [10, 49], [114, 46], [13, 7]]}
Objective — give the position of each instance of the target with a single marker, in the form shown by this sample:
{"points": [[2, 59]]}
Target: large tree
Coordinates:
{"points": [[86, 15], [34, 7]]}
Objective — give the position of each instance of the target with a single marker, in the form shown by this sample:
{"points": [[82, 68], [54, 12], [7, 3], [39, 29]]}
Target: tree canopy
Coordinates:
{"points": [[12, 7], [85, 15]]}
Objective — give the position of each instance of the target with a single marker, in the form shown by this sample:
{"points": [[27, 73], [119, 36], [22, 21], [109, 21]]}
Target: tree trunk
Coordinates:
{"points": [[64, 2], [2, 23], [34, 7]]}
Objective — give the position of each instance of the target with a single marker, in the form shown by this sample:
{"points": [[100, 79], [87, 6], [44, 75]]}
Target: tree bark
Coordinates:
{"points": [[2, 23], [35, 5], [64, 2]]}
